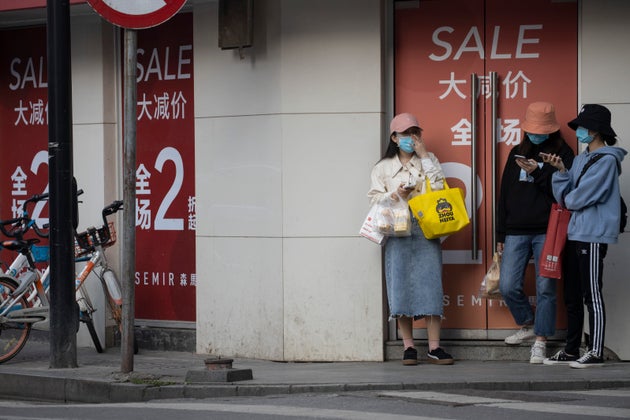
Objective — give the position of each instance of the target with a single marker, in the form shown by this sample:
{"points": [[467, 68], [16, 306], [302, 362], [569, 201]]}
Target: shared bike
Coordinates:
{"points": [[24, 298]]}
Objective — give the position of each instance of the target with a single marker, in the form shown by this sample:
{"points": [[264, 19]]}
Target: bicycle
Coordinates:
{"points": [[24, 299], [90, 246]]}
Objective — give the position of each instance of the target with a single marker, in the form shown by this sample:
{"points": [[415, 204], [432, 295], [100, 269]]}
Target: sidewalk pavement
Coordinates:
{"points": [[162, 375]]}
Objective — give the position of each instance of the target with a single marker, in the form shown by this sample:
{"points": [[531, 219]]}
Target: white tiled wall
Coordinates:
{"points": [[285, 141], [326, 168], [95, 139], [604, 79], [240, 305], [604, 51], [332, 301], [331, 57], [239, 165], [225, 83]]}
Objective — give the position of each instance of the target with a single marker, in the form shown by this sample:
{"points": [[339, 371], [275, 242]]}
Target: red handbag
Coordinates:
{"points": [[550, 264]]}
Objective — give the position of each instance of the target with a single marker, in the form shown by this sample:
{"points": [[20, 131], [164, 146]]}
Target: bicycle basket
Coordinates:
{"points": [[82, 244], [41, 253], [107, 240]]}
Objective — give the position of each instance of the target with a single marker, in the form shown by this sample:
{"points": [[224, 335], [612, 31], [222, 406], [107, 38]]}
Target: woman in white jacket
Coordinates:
{"points": [[413, 264]]}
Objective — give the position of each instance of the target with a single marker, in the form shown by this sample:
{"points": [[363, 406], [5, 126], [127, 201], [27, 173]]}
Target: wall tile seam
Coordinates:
{"points": [[271, 114], [87, 123]]}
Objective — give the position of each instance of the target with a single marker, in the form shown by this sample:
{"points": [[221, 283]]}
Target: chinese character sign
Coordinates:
{"points": [[165, 196], [23, 121], [531, 45], [441, 49]]}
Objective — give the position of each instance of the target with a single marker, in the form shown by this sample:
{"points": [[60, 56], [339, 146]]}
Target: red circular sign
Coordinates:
{"points": [[133, 14]]}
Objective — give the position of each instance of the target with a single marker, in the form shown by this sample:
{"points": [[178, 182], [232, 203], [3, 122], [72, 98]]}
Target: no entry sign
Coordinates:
{"points": [[136, 14]]}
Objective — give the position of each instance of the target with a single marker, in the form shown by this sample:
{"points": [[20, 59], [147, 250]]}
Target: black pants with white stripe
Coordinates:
{"points": [[583, 268]]}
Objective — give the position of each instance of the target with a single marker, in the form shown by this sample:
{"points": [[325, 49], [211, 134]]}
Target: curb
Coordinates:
{"points": [[70, 390]]}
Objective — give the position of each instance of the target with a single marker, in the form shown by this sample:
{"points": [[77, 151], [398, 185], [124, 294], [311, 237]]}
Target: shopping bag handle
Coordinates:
{"points": [[428, 182]]}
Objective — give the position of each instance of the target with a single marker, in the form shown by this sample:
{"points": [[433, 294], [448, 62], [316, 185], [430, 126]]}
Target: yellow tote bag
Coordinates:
{"points": [[440, 213]]}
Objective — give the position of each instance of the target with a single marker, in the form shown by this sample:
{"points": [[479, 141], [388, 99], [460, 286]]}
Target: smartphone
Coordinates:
{"points": [[519, 157]]}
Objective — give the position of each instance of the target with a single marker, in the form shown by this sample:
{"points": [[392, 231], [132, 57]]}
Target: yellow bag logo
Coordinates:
{"points": [[444, 210], [440, 213]]}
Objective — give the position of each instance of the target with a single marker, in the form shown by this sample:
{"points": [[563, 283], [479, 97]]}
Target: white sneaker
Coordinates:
{"points": [[538, 352], [526, 333]]}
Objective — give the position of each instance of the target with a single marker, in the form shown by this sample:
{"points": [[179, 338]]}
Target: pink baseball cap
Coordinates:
{"points": [[401, 122]]}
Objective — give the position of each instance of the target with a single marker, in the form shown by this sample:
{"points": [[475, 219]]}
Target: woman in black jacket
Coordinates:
{"points": [[525, 201]]}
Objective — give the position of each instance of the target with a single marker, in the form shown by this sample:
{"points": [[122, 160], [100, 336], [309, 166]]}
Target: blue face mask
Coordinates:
{"points": [[537, 138], [406, 144], [583, 136]]}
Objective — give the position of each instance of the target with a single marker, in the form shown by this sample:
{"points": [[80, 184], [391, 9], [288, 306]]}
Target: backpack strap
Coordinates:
{"points": [[590, 163]]}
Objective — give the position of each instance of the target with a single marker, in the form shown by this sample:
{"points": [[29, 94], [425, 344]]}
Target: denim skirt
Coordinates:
{"points": [[413, 273]]}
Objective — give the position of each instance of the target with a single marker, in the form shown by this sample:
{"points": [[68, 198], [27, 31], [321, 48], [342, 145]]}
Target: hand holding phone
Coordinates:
{"points": [[553, 160]]}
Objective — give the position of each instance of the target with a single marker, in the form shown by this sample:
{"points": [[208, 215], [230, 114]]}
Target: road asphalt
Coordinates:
{"points": [[175, 375]]}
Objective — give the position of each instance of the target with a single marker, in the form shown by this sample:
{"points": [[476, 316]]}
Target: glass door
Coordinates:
{"points": [[468, 69]]}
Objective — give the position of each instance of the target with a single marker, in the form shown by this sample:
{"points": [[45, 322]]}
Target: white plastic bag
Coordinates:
{"points": [[368, 229], [393, 217]]}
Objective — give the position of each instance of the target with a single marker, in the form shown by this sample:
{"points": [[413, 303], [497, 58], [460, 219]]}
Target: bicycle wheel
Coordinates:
{"points": [[85, 315], [13, 335]]}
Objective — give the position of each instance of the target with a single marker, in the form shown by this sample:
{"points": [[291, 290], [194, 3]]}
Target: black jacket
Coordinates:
{"points": [[523, 207]]}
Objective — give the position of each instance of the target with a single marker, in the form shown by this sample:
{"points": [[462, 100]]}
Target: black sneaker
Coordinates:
{"points": [[589, 359], [410, 357], [560, 358], [440, 357]]}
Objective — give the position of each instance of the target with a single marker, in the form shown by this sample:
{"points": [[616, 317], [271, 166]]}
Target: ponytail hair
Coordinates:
{"points": [[609, 140]]}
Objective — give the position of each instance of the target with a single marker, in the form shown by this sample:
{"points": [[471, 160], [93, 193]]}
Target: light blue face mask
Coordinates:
{"points": [[406, 144], [537, 138], [583, 136]]}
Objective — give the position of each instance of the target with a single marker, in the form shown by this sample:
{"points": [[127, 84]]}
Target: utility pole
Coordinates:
{"points": [[64, 314], [129, 198]]}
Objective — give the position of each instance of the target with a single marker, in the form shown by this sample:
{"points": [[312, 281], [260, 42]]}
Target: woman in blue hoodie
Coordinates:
{"points": [[592, 195]]}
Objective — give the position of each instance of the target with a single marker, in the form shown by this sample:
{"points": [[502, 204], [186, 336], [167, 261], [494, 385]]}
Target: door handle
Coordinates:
{"points": [[494, 89], [474, 93]]}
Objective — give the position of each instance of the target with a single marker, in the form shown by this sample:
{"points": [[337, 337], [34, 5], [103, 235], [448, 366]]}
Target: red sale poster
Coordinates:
{"points": [[439, 47], [165, 195], [23, 121]]}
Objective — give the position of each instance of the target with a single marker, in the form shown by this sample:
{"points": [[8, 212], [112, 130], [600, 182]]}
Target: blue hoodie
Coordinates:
{"points": [[595, 203]]}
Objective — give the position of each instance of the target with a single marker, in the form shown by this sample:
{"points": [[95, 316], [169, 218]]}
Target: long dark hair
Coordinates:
{"points": [[552, 145], [391, 151]]}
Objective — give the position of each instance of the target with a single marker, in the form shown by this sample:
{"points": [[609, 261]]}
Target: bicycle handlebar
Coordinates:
{"points": [[111, 209], [34, 199], [39, 232], [18, 229], [102, 235], [25, 214], [23, 223]]}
